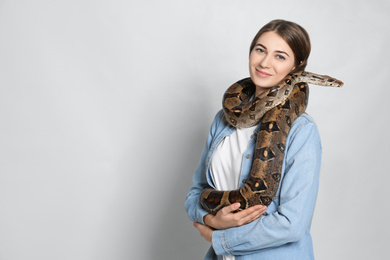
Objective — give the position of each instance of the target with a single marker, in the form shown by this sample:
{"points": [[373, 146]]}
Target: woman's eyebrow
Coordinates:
{"points": [[283, 52], [278, 51], [261, 45]]}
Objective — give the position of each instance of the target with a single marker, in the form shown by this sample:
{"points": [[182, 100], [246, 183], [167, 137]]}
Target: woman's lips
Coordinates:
{"points": [[262, 74]]}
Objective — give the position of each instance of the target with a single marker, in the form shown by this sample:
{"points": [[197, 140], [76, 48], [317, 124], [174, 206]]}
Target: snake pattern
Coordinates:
{"points": [[275, 110]]}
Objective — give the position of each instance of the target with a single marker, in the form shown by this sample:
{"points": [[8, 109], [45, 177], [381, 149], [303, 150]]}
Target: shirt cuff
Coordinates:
{"points": [[200, 215], [219, 244]]}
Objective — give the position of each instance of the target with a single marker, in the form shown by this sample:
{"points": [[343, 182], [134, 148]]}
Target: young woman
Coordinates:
{"points": [[281, 230]]}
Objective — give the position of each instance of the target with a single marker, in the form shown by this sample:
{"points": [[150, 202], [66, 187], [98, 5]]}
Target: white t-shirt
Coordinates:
{"points": [[226, 161]]}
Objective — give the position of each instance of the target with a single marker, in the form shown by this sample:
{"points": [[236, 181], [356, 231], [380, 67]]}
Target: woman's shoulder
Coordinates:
{"points": [[220, 115], [219, 118], [219, 123], [303, 128], [303, 120]]}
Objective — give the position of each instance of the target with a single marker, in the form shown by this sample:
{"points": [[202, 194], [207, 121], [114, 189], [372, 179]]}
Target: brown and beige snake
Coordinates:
{"points": [[275, 110]]}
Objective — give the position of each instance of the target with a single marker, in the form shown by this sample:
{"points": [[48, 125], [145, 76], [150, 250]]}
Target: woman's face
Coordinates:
{"points": [[270, 61]]}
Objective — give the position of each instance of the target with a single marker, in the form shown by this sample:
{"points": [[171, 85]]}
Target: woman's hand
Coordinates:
{"points": [[205, 231], [225, 218]]}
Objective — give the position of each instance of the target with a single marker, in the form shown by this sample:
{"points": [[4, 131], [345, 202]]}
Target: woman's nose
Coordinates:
{"points": [[265, 62]]}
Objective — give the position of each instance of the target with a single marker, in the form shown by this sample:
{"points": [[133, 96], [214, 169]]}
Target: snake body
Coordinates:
{"points": [[275, 110]]}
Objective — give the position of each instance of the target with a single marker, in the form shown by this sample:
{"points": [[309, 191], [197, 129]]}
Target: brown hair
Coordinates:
{"points": [[295, 36]]}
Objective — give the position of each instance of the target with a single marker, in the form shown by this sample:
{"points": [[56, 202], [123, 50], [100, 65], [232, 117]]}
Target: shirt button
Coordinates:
{"points": [[248, 156]]}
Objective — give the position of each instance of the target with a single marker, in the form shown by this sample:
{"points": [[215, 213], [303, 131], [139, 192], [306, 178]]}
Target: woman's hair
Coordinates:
{"points": [[295, 36]]}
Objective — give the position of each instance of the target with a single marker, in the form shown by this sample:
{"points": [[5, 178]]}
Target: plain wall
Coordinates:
{"points": [[105, 107]]}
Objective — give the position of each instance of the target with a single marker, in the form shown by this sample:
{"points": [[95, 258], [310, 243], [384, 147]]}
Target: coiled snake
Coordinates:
{"points": [[275, 110]]}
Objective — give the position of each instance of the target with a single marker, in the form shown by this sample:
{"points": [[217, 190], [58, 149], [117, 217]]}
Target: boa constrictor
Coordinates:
{"points": [[275, 110]]}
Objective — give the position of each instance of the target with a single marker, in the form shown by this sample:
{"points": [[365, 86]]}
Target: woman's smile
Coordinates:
{"points": [[262, 74]]}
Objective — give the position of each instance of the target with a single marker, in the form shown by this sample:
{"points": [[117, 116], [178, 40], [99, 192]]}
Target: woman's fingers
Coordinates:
{"points": [[204, 231], [229, 209], [226, 218], [248, 215], [250, 211]]}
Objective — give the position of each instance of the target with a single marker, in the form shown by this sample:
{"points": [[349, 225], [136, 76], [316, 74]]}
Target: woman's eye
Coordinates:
{"points": [[280, 57], [260, 50]]}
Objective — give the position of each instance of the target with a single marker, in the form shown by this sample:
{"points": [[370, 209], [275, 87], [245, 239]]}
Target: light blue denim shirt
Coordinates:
{"points": [[283, 232]]}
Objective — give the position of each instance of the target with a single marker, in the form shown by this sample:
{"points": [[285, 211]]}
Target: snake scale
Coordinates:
{"points": [[275, 110]]}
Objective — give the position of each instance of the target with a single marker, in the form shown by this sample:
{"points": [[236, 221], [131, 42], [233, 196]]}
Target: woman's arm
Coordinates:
{"points": [[298, 192], [192, 205]]}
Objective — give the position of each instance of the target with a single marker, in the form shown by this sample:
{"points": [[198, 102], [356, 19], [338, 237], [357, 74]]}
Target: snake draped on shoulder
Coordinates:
{"points": [[275, 110]]}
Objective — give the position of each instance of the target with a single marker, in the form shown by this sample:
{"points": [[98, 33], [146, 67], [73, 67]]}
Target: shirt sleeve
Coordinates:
{"points": [[192, 205], [297, 197]]}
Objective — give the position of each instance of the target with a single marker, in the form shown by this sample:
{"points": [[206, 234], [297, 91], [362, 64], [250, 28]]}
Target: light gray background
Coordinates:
{"points": [[105, 107]]}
